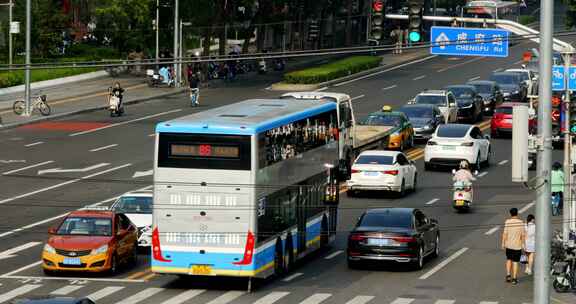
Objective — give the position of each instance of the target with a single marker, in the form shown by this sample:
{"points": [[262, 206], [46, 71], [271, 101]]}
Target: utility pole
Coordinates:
{"points": [[566, 214], [180, 49], [157, 23], [176, 43], [10, 34], [27, 72], [543, 236]]}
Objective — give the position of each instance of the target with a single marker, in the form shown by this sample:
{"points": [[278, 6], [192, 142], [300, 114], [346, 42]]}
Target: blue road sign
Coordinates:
{"points": [[460, 41], [572, 78], [558, 79]]}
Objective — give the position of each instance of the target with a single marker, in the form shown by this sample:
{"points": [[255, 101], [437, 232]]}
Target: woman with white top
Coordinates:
{"points": [[530, 242]]}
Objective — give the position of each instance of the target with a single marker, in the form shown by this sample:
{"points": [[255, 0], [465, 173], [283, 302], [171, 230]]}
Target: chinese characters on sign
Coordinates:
{"points": [[456, 41]]}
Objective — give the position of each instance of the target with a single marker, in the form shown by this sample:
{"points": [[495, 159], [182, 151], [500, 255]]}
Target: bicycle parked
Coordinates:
{"points": [[38, 103]]}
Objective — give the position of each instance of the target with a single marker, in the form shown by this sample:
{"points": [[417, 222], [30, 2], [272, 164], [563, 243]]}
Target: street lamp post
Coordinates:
{"points": [[176, 43], [157, 24], [27, 72]]}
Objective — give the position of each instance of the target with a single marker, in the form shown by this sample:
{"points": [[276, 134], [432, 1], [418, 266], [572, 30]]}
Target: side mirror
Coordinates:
{"points": [[453, 171], [476, 172], [52, 230]]}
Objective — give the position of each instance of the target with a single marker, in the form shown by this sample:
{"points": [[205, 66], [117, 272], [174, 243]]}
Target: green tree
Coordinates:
{"points": [[570, 13]]}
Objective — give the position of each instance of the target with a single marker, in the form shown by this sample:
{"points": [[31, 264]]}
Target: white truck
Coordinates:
{"points": [[353, 138]]}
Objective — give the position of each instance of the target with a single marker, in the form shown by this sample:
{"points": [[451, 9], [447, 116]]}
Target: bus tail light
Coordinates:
{"points": [[156, 251], [248, 251]]}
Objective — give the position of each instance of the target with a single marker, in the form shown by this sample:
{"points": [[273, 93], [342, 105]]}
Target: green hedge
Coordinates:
{"points": [[526, 19], [333, 70], [14, 78]]}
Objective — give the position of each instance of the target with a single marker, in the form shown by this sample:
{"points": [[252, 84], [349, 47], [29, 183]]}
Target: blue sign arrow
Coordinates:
{"points": [[572, 78], [558, 79], [459, 41]]}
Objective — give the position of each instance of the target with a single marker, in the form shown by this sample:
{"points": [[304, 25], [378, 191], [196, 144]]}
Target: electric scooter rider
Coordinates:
{"points": [[118, 90], [463, 175]]}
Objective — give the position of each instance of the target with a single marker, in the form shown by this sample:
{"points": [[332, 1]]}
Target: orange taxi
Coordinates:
{"points": [[90, 241]]}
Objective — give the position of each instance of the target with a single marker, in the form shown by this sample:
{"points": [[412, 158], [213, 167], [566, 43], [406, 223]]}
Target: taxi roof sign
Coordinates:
{"points": [[386, 109]]}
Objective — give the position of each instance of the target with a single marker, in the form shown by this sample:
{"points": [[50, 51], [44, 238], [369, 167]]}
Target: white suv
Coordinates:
{"points": [[530, 79], [444, 100], [137, 206]]}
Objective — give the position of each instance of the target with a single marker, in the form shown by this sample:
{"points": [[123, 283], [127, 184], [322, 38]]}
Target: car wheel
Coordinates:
{"points": [[402, 192], [114, 264], [436, 252], [278, 262], [427, 166], [487, 161], [494, 134], [478, 164], [419, 263], [350, 193], [48, 272], [415, 182], [353, 264]]}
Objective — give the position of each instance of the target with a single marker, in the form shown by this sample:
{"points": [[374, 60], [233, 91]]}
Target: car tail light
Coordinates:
{"points": [[404, 239], [355, 171], [358, 237], [391, 172], [467, 144], [353, 253], [156, 251], [431, 143]]}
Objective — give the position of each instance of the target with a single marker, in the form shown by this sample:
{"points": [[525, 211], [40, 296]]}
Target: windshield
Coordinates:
{"points": [[431, 99], [374, 160], [504, 110], [417, 112], [483, 88], [95, 226], [387, 219], [382, 120], [451, 132], [505, 79], [460, 92], [134, 204]]}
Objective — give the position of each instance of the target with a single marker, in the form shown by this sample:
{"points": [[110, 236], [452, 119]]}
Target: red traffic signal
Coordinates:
{"points": [[555, 115], [377, 5]]}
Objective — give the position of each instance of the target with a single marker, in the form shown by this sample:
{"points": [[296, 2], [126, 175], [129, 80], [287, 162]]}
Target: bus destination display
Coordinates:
{"points": [[204, 150]]}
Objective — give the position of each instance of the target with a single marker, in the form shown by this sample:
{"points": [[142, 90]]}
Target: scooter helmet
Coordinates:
{"points": [[463, 164]]}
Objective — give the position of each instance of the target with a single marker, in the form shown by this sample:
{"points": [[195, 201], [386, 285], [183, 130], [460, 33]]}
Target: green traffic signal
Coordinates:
{"points": [[414, 36]]}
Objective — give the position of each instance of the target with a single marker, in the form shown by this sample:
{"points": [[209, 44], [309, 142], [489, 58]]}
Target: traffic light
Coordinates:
{"points": [[377, 19], [415, 8]]}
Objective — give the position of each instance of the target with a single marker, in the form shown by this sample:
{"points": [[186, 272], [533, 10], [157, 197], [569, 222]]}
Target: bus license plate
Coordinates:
{"points": [[459, 203], [72, 261], [201, 269]]}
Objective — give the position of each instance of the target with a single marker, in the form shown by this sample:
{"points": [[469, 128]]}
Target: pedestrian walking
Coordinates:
{"points": [[530, 244], [194, 89], [397, 36], [557, 186], [513, 241]]}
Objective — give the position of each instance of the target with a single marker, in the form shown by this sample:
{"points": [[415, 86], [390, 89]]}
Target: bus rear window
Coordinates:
{"points": [[204, 151]]}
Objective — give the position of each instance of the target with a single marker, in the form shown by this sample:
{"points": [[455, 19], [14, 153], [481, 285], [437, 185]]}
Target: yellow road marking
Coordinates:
{"points": [[136, 275], [148, 277]]}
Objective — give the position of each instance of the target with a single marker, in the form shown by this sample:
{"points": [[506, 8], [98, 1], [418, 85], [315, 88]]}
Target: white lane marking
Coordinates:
{"points": [[360, 300], [444, 302], [124, 122], [68, 289], [321, 89], [503, 162], [316, 298], [488, 302], [227, 297], [59, 170], [104, 292], [402, 301], [12, 251], [11, 161], [482, 174], [419, 77], [29, 167], [386, 70], [459, 64], [104, 148], [443, 263], [34, 144], [272, 297], [142, 295], [42, 222], [389, 88], [152, 135], [292, 277], [432, 201], [333, 254], [184, 296], [143, 173], [21, 269], [497, 70], [62, 184], [357, 97], [17, 292], [525, 208], [491, 231], [474, 78]]}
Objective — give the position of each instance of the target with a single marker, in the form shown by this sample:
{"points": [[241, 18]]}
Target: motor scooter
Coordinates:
{"points": [[115, 105], [463, 195]]}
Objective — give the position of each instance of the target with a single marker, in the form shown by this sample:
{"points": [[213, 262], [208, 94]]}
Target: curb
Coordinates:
{"points": [[281, 86], [53, 82], [86, 110]]}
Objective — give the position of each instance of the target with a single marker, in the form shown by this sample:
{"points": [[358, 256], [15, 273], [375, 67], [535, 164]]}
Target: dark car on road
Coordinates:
{"points": [[469, 102], [425, 118], [512, 86], [403, 235], [53, 300], [490, 93]]}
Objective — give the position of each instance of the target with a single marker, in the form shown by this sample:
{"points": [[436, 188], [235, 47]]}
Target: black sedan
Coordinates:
{"points": [[424, 118], [403, 235], [469, 102], [512, 86], [490, 92], [53, 300]]}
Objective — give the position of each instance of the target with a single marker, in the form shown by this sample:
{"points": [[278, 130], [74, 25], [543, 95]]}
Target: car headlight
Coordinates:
{"points": [[516, 92], [101, 249], [466, 106], [49, 249], [487, 101], [506, 94], [426, 127]]}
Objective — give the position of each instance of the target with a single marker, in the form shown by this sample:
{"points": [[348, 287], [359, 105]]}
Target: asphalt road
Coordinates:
{"points": [[469, 269]]}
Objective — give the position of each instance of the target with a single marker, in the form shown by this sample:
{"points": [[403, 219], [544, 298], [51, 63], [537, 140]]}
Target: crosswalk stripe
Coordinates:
{"points": [[316, 298], [143, 295], [402, 301], [272, 297], [104, 292], [488, 302], [227, 297], [66, 290], [17, 292], [360, 300], [184, 296], [444, 302]]}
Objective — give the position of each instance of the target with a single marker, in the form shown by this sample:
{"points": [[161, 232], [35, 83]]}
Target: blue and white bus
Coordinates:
{"points": [[245, 189]]}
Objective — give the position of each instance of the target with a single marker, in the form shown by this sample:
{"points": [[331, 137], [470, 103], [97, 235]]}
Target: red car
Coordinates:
{"points": [[501, 123]]}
